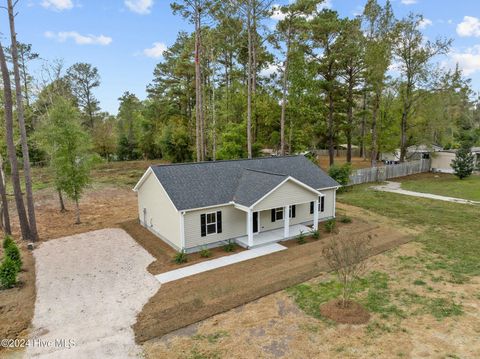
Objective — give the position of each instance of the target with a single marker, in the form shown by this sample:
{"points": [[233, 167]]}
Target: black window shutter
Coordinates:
{"points": [[311, 207], [322, 204], [293, 211], [219, 221], [203, 225], [273, 215]]}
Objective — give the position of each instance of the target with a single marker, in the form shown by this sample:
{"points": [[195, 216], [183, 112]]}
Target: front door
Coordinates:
{"points": [[255, 222]]}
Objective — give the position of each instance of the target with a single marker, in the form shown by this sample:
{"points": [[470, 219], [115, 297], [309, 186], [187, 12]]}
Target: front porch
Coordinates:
{"points": [[274, 235]]}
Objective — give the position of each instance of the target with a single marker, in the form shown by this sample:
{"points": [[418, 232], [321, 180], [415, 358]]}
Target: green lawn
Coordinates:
{"points": [[445, 185], [450, 230]]}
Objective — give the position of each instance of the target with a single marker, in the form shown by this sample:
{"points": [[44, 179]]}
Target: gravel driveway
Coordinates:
{"points": [[90, 288]]}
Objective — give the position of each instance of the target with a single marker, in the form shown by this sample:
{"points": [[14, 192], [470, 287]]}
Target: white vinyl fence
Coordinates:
{"points": [[380, 174]]}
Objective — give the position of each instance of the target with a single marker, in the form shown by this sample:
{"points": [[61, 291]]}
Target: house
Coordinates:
{"points": [[253, 201], [442, 160]]}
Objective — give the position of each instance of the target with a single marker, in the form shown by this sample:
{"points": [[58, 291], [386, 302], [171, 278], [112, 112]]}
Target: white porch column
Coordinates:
{"points": [[250, 227], [315, 215], [286, 222]]}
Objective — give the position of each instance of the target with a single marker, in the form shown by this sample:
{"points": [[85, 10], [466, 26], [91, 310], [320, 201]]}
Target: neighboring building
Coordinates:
{"points": [[442, 160], [414, 153], [197, 205]]}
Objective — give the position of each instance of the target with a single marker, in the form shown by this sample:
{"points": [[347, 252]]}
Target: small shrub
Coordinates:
{"points": [[8, 273], [180, 257], [229, 247], [330, 225], [301, 238], [316, 234], [345, 219], [205, 253], [7, 241], [419, 282], [12, 252], [340, 174]]}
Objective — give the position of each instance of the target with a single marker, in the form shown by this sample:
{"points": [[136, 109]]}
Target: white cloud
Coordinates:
{"points": [[276, 13], [139, 6], [156, 51], [326, 4], [408, 2], [57, 5], [269, 70], [425, 23], [469, 61], [79, 39], [470, 26]]}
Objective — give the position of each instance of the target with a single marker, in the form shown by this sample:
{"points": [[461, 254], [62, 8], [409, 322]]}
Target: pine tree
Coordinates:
{"points": [[464, 163]]}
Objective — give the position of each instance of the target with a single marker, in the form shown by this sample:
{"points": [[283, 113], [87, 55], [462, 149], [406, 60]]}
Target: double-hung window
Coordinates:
{"points": [[277, 213], [211, 223], [321, 204]]}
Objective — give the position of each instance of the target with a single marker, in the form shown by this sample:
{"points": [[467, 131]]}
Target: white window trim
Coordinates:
{"points": [[320, 203], [290, 211], [207, 223]]}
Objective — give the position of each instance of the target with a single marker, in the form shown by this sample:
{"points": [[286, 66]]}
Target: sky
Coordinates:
{"points": [[125, 39]]}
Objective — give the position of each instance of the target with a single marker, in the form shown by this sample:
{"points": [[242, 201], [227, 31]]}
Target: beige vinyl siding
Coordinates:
{"points": [[302, 213], [442, 161], [162, 217], [288, 193], [234, 224], [329, 210]]}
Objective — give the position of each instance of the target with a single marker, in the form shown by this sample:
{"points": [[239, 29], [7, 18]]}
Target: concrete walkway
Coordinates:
{"points": [[218, 262], [396, 187]]}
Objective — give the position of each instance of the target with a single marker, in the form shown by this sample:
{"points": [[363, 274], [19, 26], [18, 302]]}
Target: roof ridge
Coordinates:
{"points": [[267, 172], [222, 161]]}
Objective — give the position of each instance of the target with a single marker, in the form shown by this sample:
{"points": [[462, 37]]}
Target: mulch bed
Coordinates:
{"points": [[352, 313], [17, 304], [163, 252], [192, 299]]}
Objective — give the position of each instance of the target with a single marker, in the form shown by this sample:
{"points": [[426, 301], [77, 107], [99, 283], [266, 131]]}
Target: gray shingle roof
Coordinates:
{"points": [[202, 184]]}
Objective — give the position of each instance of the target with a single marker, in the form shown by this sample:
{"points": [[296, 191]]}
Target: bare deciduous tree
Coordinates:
{"points": [[346, 256]]}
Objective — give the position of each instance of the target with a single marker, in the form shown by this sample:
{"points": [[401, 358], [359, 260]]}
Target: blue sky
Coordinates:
{"points": [[125, 38]]}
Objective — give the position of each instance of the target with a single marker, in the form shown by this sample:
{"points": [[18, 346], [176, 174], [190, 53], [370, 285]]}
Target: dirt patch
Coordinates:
{"points": [[195, 298], [163, 253], [17, 304], [357, 162], [102, 206], [351, 313]]}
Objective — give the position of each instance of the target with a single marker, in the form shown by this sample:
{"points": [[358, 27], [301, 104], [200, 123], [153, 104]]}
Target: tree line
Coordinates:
{"points": [[371, 81], [237, 85]]}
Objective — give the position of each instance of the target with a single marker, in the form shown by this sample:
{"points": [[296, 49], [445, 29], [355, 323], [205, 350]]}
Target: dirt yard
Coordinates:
{"points": [[195, 298], [275, 327], [357, 162]]}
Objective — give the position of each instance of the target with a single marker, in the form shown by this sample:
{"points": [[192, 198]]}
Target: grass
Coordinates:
{"points": [[376, 298], [448, 230], [445, 185], [124, 173]]}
